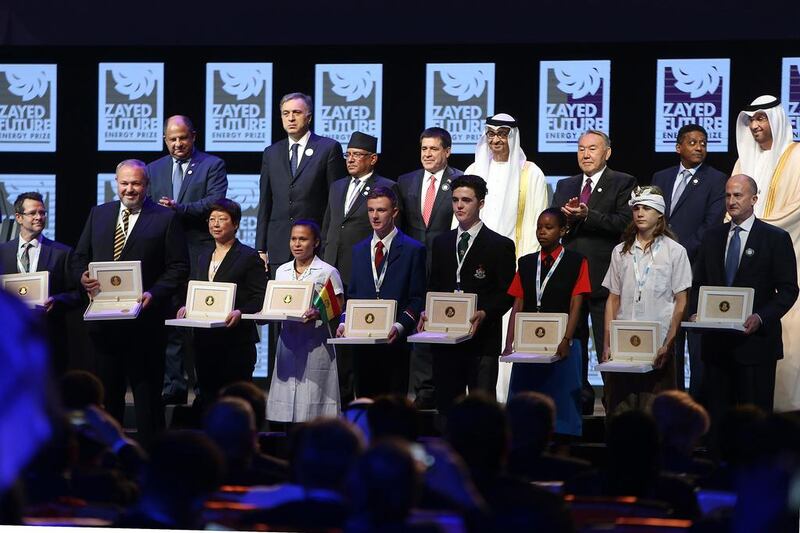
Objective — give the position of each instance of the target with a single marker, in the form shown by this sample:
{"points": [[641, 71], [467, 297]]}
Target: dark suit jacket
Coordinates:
{"points": [[701, 206], [411, 191], [54, 258], [242, 266], [771, 269], [340, 230], [204, 182], [487, 271], [609, 215], [404, 280], [285, 199], [157, 240]]}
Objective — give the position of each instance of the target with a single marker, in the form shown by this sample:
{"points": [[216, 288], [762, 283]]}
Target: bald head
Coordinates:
{"points": [[741, 194]]}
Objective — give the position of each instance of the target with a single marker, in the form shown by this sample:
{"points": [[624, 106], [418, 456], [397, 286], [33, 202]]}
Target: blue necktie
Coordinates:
{"points": [[177, 179], [732, 257], [293, 159]]}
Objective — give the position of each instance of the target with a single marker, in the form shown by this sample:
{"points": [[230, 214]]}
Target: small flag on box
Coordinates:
{"points": [[327, 303]]}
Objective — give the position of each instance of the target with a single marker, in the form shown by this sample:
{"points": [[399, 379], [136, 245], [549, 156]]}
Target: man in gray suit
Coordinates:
{"points": [[187, 181], [427, 213]]}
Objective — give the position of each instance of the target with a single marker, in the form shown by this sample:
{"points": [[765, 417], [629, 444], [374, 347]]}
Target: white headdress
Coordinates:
{"points": [[646, 196]]}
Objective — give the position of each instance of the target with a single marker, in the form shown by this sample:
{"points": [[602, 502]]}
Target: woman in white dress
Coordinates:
{"points": [[305, 383]]}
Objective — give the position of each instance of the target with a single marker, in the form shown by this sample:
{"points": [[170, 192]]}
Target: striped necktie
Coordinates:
{"points": [[121, 234]]}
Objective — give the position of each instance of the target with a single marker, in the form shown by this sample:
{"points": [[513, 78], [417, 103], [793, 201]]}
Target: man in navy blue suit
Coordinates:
{"points": [[694, 193], [187, 181], [388, 265], [132, 351], [31, 251]]}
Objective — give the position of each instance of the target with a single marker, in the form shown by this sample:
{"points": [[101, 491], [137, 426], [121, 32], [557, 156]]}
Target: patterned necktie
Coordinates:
{"points": [[732, 257], [682, 181], [177, 178], [352, 195], [378, 255], [121, 234], [430, 196], [25, 259], [293, 159], [463, 245], [586, 192]]}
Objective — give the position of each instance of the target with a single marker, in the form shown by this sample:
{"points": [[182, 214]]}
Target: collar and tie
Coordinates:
{"points": [[121, 234], [293, 159], [177, 178], [586, 192], [25, 259], [733, 255], [683, 180], [353, 194], [463, 245], [547, 263], [378, 255], [430, 197]]}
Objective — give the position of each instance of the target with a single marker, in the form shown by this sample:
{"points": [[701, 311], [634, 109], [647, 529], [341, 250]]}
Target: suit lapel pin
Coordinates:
{"points": [[366, 190], [446, 186], [695, 181], [749, 252], [480, 273], [189, 171], [309, 152], [599, 189]]}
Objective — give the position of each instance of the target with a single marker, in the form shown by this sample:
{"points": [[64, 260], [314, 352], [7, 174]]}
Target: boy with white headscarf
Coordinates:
{"points": [[768, 154], [517, 188]]}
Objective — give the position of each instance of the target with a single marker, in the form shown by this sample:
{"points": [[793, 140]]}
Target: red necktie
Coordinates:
{"points": [[586, 192], [378, 256], [430, 196]]}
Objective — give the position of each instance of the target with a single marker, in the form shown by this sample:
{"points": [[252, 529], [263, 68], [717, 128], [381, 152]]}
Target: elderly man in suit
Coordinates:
{"points": [[187, 181], [694, 193], [427, 213], [132, 351], [745, 252], [31, 251], [596, 205], [388, 265], [474, 259]]}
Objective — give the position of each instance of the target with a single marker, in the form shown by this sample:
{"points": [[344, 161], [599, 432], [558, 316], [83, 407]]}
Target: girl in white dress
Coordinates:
{"points": [[305, 383]]}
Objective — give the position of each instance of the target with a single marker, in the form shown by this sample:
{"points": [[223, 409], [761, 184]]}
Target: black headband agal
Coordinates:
{"points": [[759, 107], [497, 122]]}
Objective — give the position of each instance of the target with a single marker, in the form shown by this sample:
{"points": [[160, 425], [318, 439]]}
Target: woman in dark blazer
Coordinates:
{"points": [[226, 355]]}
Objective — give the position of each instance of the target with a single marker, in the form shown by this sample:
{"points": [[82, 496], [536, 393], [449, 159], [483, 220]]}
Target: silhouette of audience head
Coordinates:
{"points": [[229, 422], [324, 451], [393, 416], [531, 416], [633, 451], [252, 394], [478, 430], [736, 443], [80, 388], [681, 420]]}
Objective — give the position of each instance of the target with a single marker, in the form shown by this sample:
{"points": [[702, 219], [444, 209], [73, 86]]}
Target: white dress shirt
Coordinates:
{"points": [[746, 226], [301, 149], [33, 253], [387, 244], [426, 183]]}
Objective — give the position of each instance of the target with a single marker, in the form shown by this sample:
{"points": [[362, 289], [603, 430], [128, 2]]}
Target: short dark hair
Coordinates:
{"points": [[80, 388], [477, 429], [252, 394], [531, 417], [393, 416], [310, 224], [476, 183], [437, 133], [688, 128], [32, 195], [383, 192], [230, 207], [555, 212], [298, 96]]}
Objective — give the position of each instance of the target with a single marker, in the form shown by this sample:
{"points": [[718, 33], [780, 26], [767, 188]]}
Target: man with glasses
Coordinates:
{"points": [[346, 223], [31, 251]]}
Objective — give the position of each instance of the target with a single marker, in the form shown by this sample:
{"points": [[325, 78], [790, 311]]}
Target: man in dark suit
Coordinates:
{"points": [[596, 205], [187, 181], [346, 223], [132, 351], [31, 251], [391, 266], [296, 174], [427, 213], [745, 252], [695, 197], [474, 259]]}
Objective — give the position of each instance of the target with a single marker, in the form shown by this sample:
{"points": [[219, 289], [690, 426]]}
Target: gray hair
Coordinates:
{"points": [[600, 133], [302, 96], [135, 163]]}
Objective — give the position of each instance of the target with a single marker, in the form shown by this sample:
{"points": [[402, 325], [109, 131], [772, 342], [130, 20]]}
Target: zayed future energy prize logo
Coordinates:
{"points": [[692, 91], [459, 97], [27, 108], [348, 98], [130, 103], [238, 110], [790, 92], [573, 98]]}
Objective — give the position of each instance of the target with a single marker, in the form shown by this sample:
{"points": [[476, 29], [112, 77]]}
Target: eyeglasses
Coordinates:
{"points": [[358, 156], [503, 134], [32, 214], [218, 220]]}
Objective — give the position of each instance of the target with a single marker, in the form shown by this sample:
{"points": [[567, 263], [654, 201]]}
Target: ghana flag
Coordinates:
{"points": [[327, 304]]}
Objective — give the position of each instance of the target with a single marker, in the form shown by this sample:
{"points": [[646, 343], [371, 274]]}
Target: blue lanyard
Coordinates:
{"points": [[641, 279], [540, 286]]}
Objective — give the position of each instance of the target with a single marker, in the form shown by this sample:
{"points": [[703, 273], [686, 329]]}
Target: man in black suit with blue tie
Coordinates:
{"points": [[427, 213], [132, 351], [694, 193], [187, 181], [31, 251], [745, 252]]}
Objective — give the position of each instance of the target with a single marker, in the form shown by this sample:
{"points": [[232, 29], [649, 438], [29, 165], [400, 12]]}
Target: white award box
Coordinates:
{"points": [[120, 288], [633, 347], [448, 316], [367, 322], [536, 337], [208, 304], [722, 308], [285, 300], [32, 288]]}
